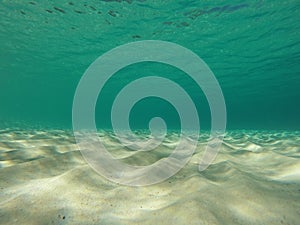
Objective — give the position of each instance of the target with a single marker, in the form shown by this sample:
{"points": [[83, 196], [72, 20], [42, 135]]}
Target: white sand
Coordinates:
{"points": [[254, 180]]}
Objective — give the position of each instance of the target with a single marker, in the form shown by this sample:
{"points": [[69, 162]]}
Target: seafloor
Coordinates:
{"points": [[255, 179]]}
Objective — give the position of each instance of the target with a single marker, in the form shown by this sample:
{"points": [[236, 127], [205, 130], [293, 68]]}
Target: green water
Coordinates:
{"points": [[252, 47]]}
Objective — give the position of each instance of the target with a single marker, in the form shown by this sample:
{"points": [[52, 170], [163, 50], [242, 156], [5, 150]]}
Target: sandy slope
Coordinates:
{"points": [[254, 180]]}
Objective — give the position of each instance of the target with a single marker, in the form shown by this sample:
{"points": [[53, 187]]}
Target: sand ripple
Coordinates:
{"points": [[255, 179]]}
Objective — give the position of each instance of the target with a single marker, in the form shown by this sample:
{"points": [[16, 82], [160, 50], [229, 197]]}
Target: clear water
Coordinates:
{"points": [[252, 47]]}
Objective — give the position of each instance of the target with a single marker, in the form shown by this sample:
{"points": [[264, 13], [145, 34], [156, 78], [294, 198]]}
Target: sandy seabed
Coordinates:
{"points": [[255, 179]]}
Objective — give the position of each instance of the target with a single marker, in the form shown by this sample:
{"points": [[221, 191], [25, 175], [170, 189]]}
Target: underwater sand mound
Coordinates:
{"points": [[254, 180]]}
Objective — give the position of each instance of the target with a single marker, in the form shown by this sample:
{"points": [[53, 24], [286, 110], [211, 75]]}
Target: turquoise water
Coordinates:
{"points": [[50, 174], [252, 47]]}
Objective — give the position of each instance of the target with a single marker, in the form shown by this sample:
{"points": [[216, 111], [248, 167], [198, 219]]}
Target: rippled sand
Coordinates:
{"points": [[255, 179]]}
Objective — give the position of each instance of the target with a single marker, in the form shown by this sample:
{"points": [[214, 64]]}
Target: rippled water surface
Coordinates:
{"points": [[251, 46]]}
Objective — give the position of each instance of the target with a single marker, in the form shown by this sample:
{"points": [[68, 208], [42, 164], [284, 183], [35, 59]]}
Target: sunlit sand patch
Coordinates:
{"points": [[253, 180]]}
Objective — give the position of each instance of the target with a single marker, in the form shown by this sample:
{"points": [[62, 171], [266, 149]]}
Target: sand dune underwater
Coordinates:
{"points": [[255, 179], [233, 63]]}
